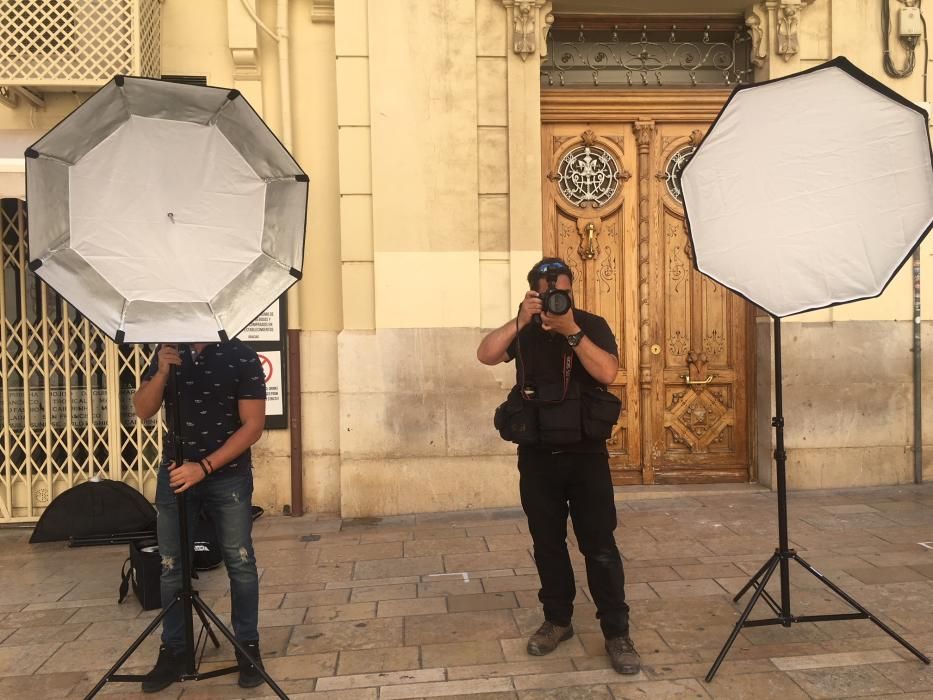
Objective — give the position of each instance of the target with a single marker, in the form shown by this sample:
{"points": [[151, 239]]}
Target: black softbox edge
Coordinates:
{"points": [[844, 64]]}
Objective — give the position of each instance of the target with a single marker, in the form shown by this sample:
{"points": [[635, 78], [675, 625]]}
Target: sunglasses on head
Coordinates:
{"points": [[552, 267]]}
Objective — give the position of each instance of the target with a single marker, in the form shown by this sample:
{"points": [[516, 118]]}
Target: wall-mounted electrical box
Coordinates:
{"points": [[910, 26]]}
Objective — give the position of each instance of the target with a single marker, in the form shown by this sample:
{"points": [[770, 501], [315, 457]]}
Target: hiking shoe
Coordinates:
{"points": [[249, 675], [623, 656], [546, 639], [168, 669]]}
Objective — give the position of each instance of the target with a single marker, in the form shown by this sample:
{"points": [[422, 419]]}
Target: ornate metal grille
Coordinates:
{"points": [[674, 168], [150, 39], [588, 174], [66, 410], [77, 42], [646, 57]]}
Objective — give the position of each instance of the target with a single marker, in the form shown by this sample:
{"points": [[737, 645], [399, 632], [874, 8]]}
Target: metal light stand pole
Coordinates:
{"points": [[783, 554], [187, 597]]}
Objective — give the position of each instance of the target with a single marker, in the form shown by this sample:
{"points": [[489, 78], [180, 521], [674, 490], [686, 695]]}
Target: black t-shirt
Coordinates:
{"points": [[542, 355], [212, 383]]}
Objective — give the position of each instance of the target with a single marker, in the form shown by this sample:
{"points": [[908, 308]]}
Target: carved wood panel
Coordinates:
{"points": [[699, 428], [633, 265], [597, 240]]}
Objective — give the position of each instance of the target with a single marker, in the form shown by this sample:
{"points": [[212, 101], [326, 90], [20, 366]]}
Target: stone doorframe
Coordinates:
{"points": [[774, 26]]}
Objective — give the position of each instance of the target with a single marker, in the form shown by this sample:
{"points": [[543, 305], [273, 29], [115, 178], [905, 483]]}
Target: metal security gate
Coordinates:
{"points": [[66, 409]]}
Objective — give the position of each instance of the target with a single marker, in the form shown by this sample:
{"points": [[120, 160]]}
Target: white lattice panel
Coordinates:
{"points": [[65, 43], [150, 37], [66, 411]]}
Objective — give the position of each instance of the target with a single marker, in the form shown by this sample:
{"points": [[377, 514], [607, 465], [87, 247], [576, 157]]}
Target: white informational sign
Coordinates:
{"points": [[58, 416], [271, 361], [266, 335], [266, 328]]}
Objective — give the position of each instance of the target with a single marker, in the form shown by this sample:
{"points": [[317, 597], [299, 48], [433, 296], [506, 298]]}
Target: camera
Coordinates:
{"points": [[556, 302]]}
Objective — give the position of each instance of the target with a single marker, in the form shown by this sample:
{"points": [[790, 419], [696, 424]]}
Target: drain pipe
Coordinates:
{"points": [[294, 299], [909, 44], [918, 323], [918, 398], [280, 36], [285, 75]]}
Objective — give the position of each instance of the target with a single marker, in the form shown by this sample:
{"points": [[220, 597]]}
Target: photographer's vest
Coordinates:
{"points": [[555, 403]]}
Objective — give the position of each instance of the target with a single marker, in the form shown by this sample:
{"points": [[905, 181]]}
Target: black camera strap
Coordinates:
{"points": [[566, 362]]}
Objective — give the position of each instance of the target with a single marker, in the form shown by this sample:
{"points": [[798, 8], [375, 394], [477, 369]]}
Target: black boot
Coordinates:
{"points": [[623, 656], [249, 675], [168, 669], [548, 636]]}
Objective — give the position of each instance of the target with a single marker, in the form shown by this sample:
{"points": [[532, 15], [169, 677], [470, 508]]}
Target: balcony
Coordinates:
{"points": [[70, 44]]}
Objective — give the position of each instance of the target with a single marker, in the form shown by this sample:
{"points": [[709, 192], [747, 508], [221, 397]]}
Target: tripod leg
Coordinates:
{"points": [[207, 627], [858, 606], [199, 604], [751, 581], [772, 565], [771, 603], [156, 621]]}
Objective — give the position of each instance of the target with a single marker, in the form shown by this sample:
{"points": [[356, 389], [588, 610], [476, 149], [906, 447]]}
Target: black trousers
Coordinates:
{"points": [[553, 486]]}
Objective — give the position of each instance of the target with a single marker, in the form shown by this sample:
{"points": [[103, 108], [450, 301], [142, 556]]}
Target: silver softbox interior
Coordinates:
{"points": [[165, 212]]}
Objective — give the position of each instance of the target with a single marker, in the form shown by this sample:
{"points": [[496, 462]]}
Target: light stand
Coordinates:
{"points": [[783, 554], [188, 598]]}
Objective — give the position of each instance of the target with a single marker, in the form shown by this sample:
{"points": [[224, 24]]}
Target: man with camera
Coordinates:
{"points": [[560, 415]]}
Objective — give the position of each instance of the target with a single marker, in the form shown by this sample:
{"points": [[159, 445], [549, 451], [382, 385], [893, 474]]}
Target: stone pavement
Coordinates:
{"points": [[440, 605]]}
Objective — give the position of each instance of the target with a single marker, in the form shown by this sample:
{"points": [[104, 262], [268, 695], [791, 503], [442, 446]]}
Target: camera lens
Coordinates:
{"points": [[558, 302]]}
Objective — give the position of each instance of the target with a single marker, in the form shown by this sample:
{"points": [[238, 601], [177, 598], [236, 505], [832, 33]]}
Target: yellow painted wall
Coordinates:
{"points": [[411, 136], [428, 147], [419, 127], [194, 40]]}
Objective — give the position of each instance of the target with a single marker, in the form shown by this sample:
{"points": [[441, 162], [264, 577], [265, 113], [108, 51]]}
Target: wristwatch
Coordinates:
{"points": [[574, 340]]}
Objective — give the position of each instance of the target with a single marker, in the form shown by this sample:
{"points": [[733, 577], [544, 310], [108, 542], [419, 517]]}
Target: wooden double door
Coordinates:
{"points": [[613, 210]]}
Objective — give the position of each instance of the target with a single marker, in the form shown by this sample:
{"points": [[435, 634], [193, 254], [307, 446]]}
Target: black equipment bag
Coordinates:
{"points": [[142, 570], [601, 410], [517, 419], [559, 414], [207, 554], [547, 414]]}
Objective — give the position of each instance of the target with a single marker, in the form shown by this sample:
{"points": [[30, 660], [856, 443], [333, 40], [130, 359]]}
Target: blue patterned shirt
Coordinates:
{"points": [[212, 383]]}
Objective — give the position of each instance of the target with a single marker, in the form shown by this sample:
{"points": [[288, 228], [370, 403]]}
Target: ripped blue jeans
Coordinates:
{"points": [[227, 500]]}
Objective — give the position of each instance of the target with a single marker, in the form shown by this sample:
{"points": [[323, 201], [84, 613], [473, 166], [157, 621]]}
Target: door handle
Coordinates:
{"points": [[589, 252], [687, 379]]}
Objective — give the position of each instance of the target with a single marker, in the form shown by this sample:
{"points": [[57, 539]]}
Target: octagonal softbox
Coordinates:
{"points": [[810, 190], [165, 212]]}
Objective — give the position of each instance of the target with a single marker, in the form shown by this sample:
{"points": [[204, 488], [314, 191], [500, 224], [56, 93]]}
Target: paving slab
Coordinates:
{"points": [[440, 605]]}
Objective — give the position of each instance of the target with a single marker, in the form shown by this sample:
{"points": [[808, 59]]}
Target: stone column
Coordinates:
{"points": [[644, 135], [355, 164], [527, 24]]}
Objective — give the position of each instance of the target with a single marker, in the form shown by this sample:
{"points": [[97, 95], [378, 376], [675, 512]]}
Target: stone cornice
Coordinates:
{"points": [[529, 22], [322, 11]]}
